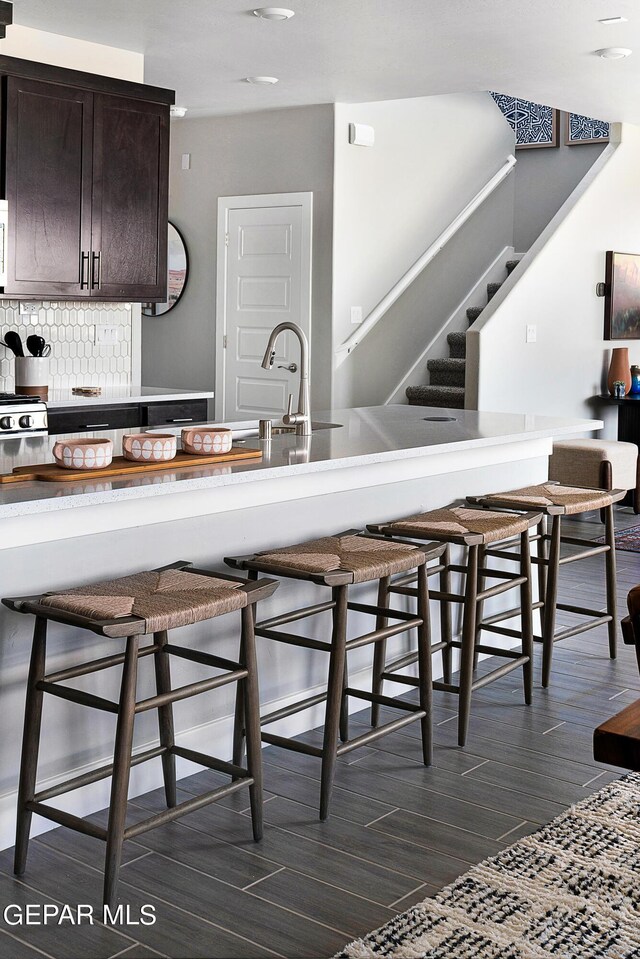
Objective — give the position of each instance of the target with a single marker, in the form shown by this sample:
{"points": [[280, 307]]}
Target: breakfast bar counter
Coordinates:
{"points": [[378, 464]]}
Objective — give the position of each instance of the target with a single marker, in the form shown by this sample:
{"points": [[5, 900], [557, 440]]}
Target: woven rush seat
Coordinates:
{"points": [[340, 562], [554, 499], [164, 599], [127, 608], [364, 557], [476, 530], [557, 501], [460, 524]]}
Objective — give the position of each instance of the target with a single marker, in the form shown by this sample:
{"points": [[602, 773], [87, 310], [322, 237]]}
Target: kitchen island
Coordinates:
{"points": [[376, 464]]}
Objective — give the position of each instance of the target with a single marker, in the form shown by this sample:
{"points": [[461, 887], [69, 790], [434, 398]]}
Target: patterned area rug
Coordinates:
{"points": [[626, 539], [571, 890]]}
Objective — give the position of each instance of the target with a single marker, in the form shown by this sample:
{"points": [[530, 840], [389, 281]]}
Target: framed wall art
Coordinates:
{"points": [[581, 130], [535, 125], [622, 296]]}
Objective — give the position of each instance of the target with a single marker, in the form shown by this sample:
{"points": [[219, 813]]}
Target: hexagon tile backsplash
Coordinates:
{"points": [[76, 360]]}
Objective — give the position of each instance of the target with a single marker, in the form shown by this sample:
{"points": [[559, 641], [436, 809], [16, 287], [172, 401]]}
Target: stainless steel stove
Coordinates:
{"points": [[22, 415]]}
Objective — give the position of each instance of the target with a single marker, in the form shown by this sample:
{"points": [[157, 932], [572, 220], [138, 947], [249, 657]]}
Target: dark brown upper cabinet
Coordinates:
{"points": [[86, 168]]}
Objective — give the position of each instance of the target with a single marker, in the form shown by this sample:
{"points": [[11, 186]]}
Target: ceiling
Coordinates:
{"points": [[360, 50]]}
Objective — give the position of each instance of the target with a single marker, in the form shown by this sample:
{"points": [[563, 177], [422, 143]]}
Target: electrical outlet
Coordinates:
{"points": [[356, 314], [532, 333], [29, 309], [106, 335]]}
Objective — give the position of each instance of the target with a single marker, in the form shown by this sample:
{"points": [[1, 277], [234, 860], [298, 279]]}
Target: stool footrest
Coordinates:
{"points": [[296, 707], [585, 554], [503, 670], [189, 805], [96, 664], [67, 819], [405, 680], [204, 659], [292, 639], [501, 588], [293, 744], [508, 614], [201, 759], [410, 658], [191, 689], [372, 734], [294, 615], [96, 774], [78, 696], [493, 650], [380, 611], [581, 628], [384, 633], [388, 701], [504, 631], [581, 610]]}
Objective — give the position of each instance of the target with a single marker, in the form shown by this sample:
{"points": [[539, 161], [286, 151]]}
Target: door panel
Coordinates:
{"points": [[129, 233], [264, 286], [49, 140]]}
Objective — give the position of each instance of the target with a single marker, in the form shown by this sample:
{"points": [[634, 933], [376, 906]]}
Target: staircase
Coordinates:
{"points": [[446, 377]]}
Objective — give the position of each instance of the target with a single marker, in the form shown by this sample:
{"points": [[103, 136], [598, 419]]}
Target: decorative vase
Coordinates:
{"points": [[619, 369]]}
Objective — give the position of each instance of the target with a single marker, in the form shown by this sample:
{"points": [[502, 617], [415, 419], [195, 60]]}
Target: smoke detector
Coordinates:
{"points": [[273, 13], [261, 81], [614, 53]]}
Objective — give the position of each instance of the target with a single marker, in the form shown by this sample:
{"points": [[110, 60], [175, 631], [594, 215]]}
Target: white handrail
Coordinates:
{"points": [[405, 281]]}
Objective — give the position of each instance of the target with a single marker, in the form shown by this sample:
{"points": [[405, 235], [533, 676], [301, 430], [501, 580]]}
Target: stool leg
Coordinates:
{"points": [[240, 709], [334, 697], [468, 644], [379, 649], [344, 706], [165, 717], [610, 560], [550, 600], [543, 557], [251, 699], [425, 666], [479, 606], [445, 614], [30, 743], [121, 768], [526, 615]]}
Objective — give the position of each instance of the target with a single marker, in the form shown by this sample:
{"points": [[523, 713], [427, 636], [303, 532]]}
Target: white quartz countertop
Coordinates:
{"points": [[112, 395], [371, 435]]}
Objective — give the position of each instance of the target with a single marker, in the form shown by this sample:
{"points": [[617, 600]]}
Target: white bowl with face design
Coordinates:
{"points": [[206, 440], [149, 447], [83, 454]]}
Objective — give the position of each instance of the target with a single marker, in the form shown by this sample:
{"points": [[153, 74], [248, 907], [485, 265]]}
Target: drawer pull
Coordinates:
{"points": [[95, 426], [185, 419]]}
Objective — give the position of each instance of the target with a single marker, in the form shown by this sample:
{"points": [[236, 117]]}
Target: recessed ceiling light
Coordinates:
{"points": [[265, 81], [613, 53], [273, 13], [608, 20], [175, 111]]}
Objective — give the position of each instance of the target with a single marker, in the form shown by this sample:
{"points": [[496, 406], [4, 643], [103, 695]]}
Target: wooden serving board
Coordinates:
{"points": [[121, 467]]}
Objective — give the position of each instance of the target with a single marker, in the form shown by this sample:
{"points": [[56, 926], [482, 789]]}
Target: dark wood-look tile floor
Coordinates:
{"points": [[397, 831]]}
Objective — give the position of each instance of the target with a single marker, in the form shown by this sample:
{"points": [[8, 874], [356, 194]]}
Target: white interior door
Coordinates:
{"points": [[264, 278]]}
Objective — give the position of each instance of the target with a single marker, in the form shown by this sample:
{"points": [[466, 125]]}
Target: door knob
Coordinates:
{"points": [[292, 367]]}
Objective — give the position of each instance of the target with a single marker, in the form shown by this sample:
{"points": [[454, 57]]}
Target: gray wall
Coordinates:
{"points": [[543, 181], [280, 151]]}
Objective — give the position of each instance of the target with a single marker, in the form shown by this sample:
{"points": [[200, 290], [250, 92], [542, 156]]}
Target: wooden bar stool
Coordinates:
{"points": [[127, 608], [473, 529], [338, 562], [557, 501]]}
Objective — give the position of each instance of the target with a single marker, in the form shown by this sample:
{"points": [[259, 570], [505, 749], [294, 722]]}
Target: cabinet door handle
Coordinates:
{"points": [[84, 271], [96, 426], [186, 419], [96, 258]]}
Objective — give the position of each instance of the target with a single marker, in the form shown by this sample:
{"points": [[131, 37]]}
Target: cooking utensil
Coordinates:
{"points": [[14, 342], [36, 344], [47, 350]]}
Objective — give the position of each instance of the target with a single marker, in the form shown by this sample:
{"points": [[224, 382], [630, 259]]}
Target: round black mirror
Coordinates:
{"points": [[178, 271]]}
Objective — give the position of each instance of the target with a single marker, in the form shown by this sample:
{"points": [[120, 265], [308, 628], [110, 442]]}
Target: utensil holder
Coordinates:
{"points": [[32, 376]]}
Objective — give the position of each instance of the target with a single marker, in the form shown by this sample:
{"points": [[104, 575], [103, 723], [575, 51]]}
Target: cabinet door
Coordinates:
{"points": [[48, 177], [130, 198]]}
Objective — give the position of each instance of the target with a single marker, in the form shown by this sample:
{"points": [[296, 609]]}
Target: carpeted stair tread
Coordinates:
{"points": [[448, 397], [492, 289], [457, 345], [473, 313], [446, 372], [511, 265]]}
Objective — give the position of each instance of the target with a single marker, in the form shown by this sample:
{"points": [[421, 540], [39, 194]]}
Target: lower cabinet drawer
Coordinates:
{"points": [[93, 418], [173, 414]]}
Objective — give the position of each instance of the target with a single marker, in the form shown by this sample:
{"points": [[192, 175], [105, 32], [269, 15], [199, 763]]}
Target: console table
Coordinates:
{"points": [[628, 423]]}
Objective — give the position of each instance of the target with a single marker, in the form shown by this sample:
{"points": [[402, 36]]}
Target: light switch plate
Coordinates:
{"points": [[29, 309], [356, 314], [532, 333], [106, 335]]}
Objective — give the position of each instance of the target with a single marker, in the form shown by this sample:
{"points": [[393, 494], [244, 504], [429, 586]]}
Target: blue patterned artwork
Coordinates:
{"points": [[585, 130], [534, 124]]}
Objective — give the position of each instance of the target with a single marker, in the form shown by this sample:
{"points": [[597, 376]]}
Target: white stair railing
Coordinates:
{"points": [[376, 314]]}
